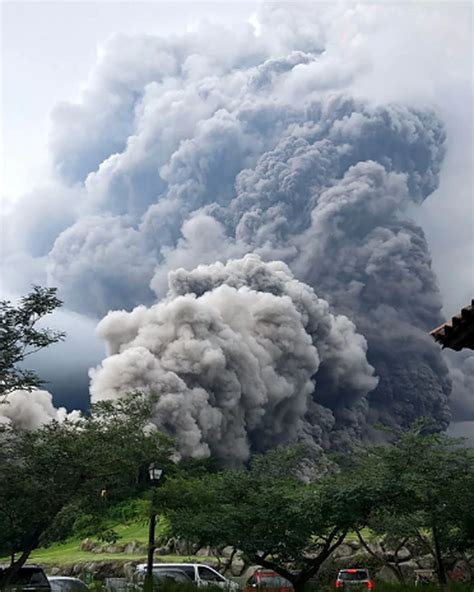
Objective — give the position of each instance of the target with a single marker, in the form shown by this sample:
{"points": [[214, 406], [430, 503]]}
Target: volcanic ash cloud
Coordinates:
{"points": [[219, 143], [233, 355]]}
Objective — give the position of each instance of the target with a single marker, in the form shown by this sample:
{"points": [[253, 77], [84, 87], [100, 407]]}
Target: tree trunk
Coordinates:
{"points": [[15, 566], [299, 585], [398, 570], [333, 541], [230, 559], [149, 581], [442, 578], [395, 569]]}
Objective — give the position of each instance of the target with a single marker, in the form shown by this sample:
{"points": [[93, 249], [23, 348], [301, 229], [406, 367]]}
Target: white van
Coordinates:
{"points": [[202, 575]]}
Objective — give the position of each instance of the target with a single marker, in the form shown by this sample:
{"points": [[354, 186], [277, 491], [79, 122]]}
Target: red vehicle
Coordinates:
{"points": [[269, 580]]}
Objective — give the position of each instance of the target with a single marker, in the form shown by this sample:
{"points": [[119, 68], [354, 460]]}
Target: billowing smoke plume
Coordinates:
{"points": [[30, 410], [234, 356], [216, 144]]}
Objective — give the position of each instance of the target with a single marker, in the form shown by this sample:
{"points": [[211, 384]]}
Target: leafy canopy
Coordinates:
{"points": [[430, 480], [20, 337], [269, 513], [43, 472]]}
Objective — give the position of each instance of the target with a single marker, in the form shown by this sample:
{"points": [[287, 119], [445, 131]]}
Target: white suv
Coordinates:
{"points": [[201, 575], [354, 579]]}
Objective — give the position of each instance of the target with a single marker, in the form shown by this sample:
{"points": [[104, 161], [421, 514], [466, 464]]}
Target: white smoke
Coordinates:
{"points": [[29, 410], [233, 355]]}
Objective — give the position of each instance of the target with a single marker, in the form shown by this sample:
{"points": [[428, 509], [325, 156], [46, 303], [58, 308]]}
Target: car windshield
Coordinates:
{"points": [[63, 585], [29, 576], [273, 581], [356, 575]]}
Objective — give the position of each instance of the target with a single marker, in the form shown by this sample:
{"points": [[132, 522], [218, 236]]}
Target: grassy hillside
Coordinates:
{"points": [[70, 552]]}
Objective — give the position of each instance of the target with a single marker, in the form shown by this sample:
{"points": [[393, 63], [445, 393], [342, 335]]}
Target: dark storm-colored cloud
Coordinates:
{"points": [[216, 144]]}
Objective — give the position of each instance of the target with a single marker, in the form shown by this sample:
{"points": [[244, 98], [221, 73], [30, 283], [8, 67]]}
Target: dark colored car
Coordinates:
{"points": [[29, 578], [269, 580], [354, 579]]}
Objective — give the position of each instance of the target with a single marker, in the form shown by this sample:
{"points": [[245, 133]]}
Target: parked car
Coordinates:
{"points": [[160, 577], [425, 577], [29, 578], [354, 579], [201, 575], [67, 584], [117, 585], [270, 580]]}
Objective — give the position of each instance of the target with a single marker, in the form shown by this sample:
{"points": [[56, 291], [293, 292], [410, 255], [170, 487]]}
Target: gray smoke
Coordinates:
{"points": [[217, 144], [234, 355]]}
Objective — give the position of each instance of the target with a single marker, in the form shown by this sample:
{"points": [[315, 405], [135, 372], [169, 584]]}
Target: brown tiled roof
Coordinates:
{"points": [[459, 332]]}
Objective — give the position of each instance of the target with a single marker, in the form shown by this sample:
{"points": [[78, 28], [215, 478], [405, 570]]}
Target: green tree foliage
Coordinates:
{"points": [[21, 337], [417, 491], [271, 515], [429, 495], [68, 465]]}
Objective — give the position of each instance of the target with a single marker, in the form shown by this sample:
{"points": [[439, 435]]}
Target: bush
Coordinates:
{"points": [[130, 510]]}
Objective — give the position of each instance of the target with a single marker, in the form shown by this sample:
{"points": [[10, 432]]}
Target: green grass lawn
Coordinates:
{"points": [[70, 552]]}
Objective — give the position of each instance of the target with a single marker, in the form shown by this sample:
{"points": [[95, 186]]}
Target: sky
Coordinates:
{"points": [[416, 53], [49, 49], [47, 52]]}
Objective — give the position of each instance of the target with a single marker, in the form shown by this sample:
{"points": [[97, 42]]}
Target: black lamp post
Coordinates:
{"points": [[155, 476]]}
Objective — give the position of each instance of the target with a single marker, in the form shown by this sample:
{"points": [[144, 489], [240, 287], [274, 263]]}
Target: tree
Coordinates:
{"points": [[268, 513], [388, 535], [42, 472], [20, 337], [429, 495]]}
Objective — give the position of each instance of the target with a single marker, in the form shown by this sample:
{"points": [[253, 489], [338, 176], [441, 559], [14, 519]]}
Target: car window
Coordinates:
{"points": [[30, 577], [274, 582], [68, 586], [175, 576], [357, 575], [188, 570], [252, 580], [181, 577], [208, 575]]}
